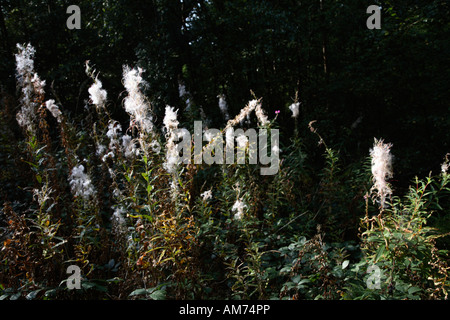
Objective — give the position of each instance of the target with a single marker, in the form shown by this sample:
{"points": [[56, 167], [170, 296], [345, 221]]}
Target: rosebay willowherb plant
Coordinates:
{"points": [[238, 220], [401, 245], [398, 243]]}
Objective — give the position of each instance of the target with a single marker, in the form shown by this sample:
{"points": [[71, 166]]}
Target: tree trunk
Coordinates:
{"points": [[4, 31], [324, 44]]}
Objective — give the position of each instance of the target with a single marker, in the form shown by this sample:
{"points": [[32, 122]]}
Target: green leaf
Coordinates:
{"points": [[138, 292], [32, 295], [290, 285], [31, 164], [155, 293], [285, 270], [92, 285], [303, 281], [87, 285], [3, 297], [413, 290], [50, 293], [114, 280], [158, 295], [380, 253], [345, 264], [15, 296]]}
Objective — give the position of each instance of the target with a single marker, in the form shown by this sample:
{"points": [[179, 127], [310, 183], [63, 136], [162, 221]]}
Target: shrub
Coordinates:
{"points": [[113, 200]]}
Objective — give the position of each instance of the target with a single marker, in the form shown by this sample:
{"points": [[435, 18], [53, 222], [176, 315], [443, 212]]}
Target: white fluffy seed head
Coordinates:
{"points": [[129, 147], [132, 79], [117, 216], [38, 84], [30, 84], [261, 116], [206, 195], [54, 110], [295, 108], [181, 90], [223, 106], [25, 59], [155, 146], [135, 103], [239, 207], [381, 170], [171, 124], [242, 141], [80, 183], [113, 129], [445, 164], [170, 119], [172, 159], [97, 94], [101, 149], [243, 113]]}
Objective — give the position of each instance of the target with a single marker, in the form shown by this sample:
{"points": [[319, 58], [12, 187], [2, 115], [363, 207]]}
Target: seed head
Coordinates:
{"points": [[54, 110], [381, 170], [295, 108], [97, 94]]}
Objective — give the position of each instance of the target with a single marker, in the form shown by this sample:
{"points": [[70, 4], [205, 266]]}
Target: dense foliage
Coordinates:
{"points": [[87, 142]]}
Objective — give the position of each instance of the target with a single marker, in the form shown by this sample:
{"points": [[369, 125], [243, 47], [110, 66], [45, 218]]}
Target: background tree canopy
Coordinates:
{"points": [[358, 83]]}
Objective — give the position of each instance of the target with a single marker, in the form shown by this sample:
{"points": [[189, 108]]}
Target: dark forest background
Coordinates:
{"points": [[358, 83]]}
